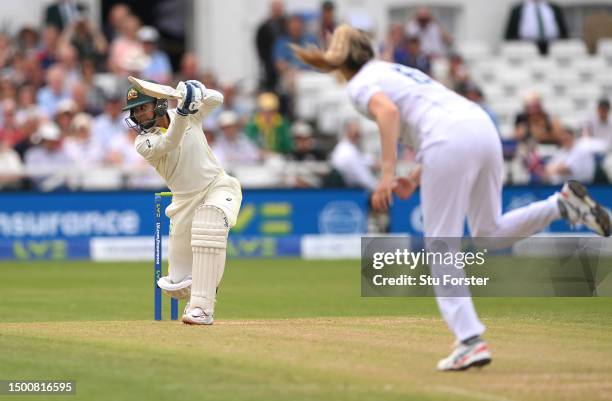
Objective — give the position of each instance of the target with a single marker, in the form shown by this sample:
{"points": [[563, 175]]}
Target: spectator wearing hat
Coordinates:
{"points": [[232, 147], [81, 146], [599, 126], [11, 167], [159, 68], [45, 161], [268, 128], [348, 159], [49, 96], [304, 145], [66, 110]]}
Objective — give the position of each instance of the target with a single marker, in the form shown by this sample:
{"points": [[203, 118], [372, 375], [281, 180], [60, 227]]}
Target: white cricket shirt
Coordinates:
{"points": [[181, 154], [422, 102]]}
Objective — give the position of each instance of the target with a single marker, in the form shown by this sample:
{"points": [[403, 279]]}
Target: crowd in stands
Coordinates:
{"points": [[62, 87]]}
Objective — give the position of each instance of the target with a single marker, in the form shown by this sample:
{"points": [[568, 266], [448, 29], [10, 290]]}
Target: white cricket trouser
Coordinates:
{"points": [[224, 193], [461, 178]]}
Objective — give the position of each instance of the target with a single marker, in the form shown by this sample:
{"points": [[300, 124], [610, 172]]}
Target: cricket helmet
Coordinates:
{"points": [[134, 98]]}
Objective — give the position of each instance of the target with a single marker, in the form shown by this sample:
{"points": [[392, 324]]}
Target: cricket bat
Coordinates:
{"points": [[157, 91]]}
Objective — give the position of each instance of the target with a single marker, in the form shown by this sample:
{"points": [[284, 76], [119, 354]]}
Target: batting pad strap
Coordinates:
{"points": [[206, 237]]}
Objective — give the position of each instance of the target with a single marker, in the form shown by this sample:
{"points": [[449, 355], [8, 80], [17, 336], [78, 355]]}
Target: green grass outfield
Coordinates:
{"points": [[287, 330]]}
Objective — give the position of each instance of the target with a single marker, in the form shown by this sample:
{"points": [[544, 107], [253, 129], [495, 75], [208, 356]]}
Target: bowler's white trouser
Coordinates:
{"points": [[461, 178], [224, 193]]}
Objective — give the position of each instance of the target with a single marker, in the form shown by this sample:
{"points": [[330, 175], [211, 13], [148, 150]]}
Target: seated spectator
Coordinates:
{"points": [[110, 125], [67, 59], [189, 68], [27, 40], [159, 68], [123, 154], [48, 163], [304, 145], [7, 50], [434, 39], [232, 147], [347, 158], [534, 123], [573, 161], [458, 76], [29, 125], [394, 47], [8, 89], [230, 93], [327, 23], [474, 93], [11, 168], [599, 127], [26, 102], [539, 21], [66, 110], [284, 59], [116, 16], [49, 96], [126, 45], [287, 64], [50, 45], [268, 128], [415, 58], [87, 40], [81, 146], [94, 94], [10, 133]]}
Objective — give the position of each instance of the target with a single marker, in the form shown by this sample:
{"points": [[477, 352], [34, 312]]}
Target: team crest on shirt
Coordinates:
{"points": [[132, 94]]}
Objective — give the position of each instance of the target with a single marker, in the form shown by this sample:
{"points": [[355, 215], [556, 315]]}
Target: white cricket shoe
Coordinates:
{"points": [[465, 356], [196, 315], [579, 208]]}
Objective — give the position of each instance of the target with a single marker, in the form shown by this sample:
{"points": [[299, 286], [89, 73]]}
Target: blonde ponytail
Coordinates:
{"points": [[348, 47]]}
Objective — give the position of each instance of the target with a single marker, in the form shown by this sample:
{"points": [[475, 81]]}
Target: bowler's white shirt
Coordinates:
{"points": [[422, 102]]}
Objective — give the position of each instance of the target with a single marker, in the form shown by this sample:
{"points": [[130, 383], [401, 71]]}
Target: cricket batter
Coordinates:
{"points": [[205, 200], [460, 171]]}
